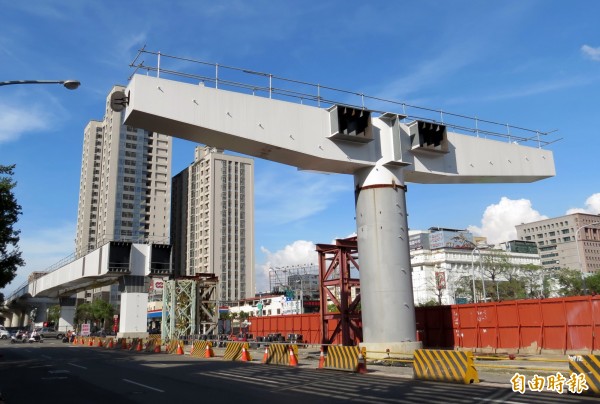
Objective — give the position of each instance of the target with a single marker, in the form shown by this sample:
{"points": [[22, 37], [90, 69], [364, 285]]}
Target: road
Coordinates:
{"points": [[53, 372]]}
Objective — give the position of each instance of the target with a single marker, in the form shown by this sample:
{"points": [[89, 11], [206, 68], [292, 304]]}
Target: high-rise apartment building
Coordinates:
{"points": [[213, 221], [125, 185], [571, 241]]}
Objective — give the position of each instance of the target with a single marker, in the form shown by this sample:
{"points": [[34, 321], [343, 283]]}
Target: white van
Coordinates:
{"points": [[4, 334]]}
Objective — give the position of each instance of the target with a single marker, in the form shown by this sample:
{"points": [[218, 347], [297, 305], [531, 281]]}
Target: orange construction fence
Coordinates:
{"points": [[535, 325]]}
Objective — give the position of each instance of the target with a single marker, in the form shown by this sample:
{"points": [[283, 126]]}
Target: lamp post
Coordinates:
{"points": [[473, 270], [301, 281], [583, 286], [68, 84]]}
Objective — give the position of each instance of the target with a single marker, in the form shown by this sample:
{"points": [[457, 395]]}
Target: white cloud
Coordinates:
{"points": [[591, 53], [285, 198], [41, 250], [592, 206], [499, 220], [17, 120], [300, 252]]}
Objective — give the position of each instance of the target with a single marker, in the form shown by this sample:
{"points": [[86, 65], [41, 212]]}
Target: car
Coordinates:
{"points": [[46, 332], [4, 334]]}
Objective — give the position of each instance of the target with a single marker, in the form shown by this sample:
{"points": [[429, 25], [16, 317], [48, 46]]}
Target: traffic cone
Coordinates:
{"points": [[139, 346], [322, 359], [179, 349], [293, 359], [245, 357], [208, 352], [99, 343], [110, 344], [91, 343], [362, 364], [266, 355], [123, 343], [157, 347]]}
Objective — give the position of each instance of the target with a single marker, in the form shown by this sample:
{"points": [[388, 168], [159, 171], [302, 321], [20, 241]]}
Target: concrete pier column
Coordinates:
{"points": [[134, 307], [388, 312], [16, 319], [67, 313]]}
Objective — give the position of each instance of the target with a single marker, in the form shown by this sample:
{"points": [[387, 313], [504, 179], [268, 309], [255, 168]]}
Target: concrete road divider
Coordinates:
{"points": [[445, 365], [342, 358]]}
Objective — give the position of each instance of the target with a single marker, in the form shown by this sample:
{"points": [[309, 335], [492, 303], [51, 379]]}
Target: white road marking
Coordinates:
{"points": [[78, 366], [143, 385]]}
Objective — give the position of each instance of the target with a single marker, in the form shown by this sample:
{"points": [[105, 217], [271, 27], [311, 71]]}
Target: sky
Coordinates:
{"points": [[532, 63]]}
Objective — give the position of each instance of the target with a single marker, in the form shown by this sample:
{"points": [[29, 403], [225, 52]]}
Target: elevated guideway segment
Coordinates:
{"points": [[126, 263], [382, 153]]}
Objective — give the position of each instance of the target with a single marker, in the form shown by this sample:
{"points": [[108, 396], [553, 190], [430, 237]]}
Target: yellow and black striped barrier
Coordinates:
{"points": [[279, 354], [173, 345], [151, 344], [589, 365], [342, 358], [445, 365], [235, 350], [199, 348]]}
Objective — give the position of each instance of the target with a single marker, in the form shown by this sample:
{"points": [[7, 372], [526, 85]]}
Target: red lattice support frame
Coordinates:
{"points": [[335, 262]]}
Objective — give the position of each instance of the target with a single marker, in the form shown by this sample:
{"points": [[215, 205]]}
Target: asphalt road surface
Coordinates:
{"points": [[53, 372]]}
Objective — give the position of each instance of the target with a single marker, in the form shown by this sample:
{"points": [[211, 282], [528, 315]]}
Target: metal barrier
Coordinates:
{"points": [[445, 365]]}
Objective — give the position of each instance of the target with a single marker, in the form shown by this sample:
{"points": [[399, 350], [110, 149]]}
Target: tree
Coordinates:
{"points": [[569, 282], [496, 263], [10, 255], [99, 310], [592, 283], [54, 313]]}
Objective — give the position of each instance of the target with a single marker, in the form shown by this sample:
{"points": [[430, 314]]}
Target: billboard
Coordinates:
{"points": [[451, 239]]}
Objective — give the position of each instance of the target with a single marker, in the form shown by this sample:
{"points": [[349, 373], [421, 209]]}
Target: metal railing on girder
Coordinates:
{"points": [[269, 85]]}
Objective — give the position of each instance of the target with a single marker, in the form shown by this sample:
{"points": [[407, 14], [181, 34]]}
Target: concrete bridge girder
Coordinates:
{"points": [[381, 153]]}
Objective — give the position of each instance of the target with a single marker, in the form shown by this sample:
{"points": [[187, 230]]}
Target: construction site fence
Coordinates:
{"points": [[555, 325]]}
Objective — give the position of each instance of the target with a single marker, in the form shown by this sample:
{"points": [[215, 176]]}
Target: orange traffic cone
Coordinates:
{"points": [[362, 364], [110, 344], [91, 343], [179, 349], [321, 359], [99, 343], [245, 357], [157, 347], [208, 352], [293, 359], [139, 346], [266, 355], [123, 343]]}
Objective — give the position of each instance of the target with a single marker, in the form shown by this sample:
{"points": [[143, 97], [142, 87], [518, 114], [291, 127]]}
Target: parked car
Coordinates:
{"points": [[46, 332], [4, 334]]}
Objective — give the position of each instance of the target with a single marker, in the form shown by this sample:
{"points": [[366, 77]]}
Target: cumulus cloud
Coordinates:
{"points": [[592, 206], [300, 252], [499, 220], [591, 53]]}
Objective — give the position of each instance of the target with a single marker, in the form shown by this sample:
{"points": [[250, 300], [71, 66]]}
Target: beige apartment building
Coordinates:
{"points": [[571, 241], [125, 185], [213, 221]]}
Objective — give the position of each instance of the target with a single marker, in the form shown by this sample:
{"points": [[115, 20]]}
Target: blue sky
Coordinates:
{"points": [[530, 63]]}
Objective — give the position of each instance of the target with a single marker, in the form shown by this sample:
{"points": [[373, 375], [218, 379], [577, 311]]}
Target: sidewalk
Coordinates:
{"points": [[489, 369]]}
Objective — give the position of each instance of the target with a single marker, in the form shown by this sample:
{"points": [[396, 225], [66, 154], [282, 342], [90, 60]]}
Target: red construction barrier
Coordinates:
{"points": [[533, 325]]}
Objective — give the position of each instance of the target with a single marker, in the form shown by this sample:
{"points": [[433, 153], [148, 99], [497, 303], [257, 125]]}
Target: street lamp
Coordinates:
{"points": [[579, 254], [68, 84], [476, 248]]}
